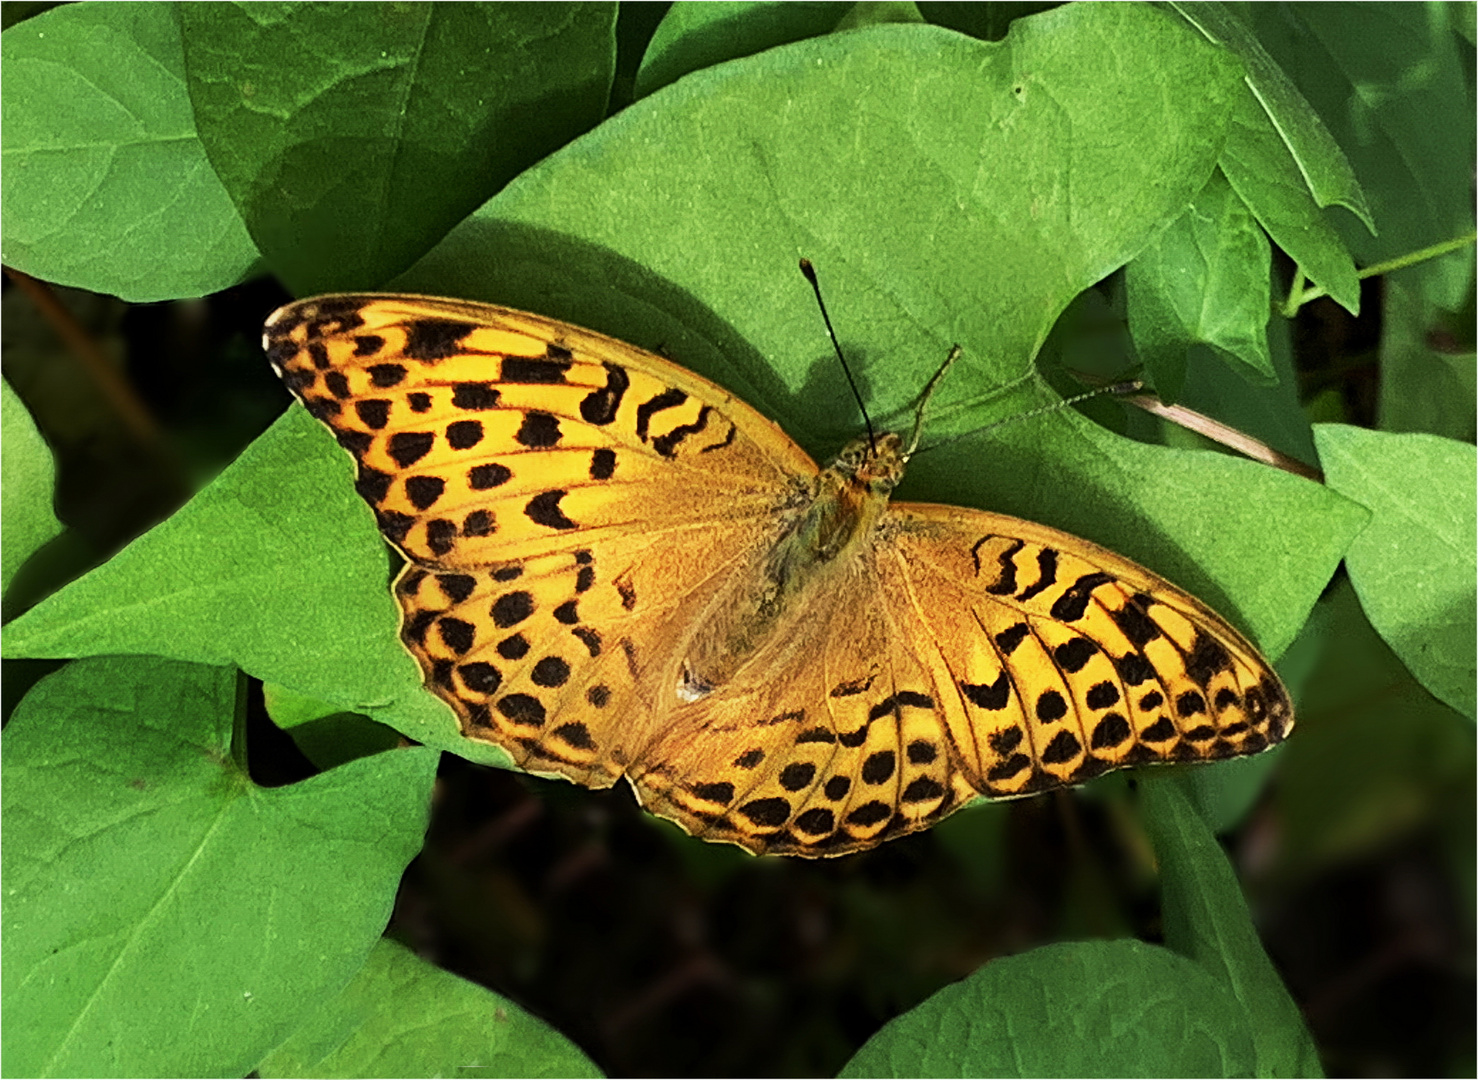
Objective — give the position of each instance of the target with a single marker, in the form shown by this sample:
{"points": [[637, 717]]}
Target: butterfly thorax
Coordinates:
{"points": [[818, 542]]}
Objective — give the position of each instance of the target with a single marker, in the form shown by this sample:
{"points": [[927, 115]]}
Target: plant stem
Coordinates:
{"points": [[1398, 263]]}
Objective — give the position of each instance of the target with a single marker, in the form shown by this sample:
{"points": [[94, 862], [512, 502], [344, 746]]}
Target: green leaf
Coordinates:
{"points": [[259, 571], [351, 137], [1206, 920], [1265, 174], [328, 736], [1282, 162], [694, 35], [1092, 1008], [1414, 566], [26, 485], [1225, 792], [1204, 281], [1391, 82], [1423, 387], [164, 916], [1374, 757], [401, 1016], [1325, 169], [105, 184]]}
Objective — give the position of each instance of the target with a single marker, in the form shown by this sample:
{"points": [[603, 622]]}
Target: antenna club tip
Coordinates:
{"points": [[808, 270]]}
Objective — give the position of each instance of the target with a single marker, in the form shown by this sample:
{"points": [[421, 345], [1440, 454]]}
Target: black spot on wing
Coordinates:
{"points": [[602, 463], [767, 813], [474, 396], [409, 447], [479, 523], [423, 491], [434, 339], [993, 696], [383, 375], [512, 608], [374, 413], [1072, 605], [600, 406], [441, 535], [667, 399], [1047, 575], [1207, 659], [532, 370], [1005, 583], [488, 475], [1008, 639], [1073, 656], [1134, 620], [543, 509], [574, 734], [464, 434], [667, 445], [540, 430]]}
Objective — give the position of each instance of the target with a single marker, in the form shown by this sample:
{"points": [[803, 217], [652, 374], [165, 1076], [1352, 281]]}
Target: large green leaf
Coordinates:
{"points": [[1206, 919], [26, 486], [106, 185], [401, 1016], [164, 916], [1203, 281], [1091, 1008], [351, 136], [1414, 566]]}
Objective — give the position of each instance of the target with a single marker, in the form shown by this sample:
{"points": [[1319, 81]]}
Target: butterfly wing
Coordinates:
{"points": [[827, 741], [971, 654], [1066, 660], [559, 495]]}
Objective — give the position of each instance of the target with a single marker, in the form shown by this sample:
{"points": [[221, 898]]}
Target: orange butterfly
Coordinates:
{"points": [[616, 568]]}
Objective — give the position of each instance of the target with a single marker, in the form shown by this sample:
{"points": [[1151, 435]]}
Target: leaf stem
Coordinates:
{"points": [[1297, 299]]}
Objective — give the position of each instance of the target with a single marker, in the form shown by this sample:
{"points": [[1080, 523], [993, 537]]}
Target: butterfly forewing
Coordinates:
{"points": [[561, 496], [1068, 660]]}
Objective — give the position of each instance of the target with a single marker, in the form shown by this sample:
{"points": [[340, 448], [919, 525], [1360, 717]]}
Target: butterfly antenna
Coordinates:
{"points": [[918, 416], [810, 272], [1132, 386]]}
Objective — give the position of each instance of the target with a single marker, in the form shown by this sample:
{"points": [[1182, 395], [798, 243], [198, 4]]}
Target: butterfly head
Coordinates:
{"points": [[874, 463]]}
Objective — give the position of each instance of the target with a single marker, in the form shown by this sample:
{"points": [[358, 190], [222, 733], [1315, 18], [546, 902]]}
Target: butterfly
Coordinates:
{"points": [[615, 568]]}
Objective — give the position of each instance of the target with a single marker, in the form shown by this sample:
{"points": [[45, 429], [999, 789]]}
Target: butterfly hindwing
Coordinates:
{"points": [[819, 750]]}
